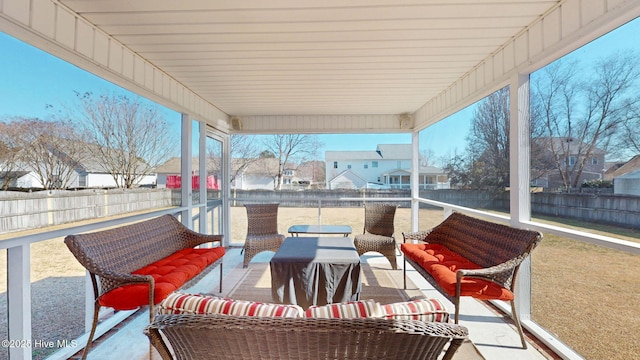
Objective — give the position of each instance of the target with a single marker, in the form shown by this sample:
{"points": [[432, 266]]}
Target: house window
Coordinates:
{"points": [[571, 160], [594, 161], [335, 164], [366, 166], [374, 164], [349, 166]]}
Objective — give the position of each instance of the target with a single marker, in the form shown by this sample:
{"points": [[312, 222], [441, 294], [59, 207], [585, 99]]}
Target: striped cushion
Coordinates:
{"points": [[180, 303], [420, 309], [348, 310]]}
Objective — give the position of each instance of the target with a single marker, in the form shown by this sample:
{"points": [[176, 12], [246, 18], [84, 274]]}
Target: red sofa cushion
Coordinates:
{"points": [[169, 274], [442, 264]]}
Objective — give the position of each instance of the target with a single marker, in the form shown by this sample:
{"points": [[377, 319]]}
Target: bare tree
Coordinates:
{"points": [[427, 157], [586, 111], [9, 154], [244, 152], [489, 141], [286, 147], [485, 163], [458, 168], [52, 150], [629, 137], [132, 137]]}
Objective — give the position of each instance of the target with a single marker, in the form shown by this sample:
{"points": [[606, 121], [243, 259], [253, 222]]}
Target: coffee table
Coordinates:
{"points": [[295, 230], [315, 271]]}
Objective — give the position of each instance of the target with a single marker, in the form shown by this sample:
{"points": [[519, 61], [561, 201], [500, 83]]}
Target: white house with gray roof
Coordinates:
{"points": [[87, 173], [389, 166]]}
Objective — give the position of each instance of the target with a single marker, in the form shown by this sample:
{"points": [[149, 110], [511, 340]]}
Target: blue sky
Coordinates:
{"points": [[32, 79]]}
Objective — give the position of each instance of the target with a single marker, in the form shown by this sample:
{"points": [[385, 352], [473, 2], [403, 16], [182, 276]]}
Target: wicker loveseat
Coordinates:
{"points": [[466, 256], [203, 326], [141, 264], [200, 337]]}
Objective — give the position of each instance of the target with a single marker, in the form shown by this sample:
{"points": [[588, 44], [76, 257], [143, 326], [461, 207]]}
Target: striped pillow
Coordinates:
{"points": [[180, 303], [348, 310], [419, 309]]}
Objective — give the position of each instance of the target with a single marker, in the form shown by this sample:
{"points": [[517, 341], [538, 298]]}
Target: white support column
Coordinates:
{"points": [[520, 165], [185, 170], [202, 170], [19, 301], [520, 162], [226, 190], [415, 180]]}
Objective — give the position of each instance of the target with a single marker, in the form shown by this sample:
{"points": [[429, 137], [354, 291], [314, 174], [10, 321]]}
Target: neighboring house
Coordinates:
{"points": [[11, 177], [620, 169], [307, 175], [628, 184], [260, 173], [257, 175], [389, 166], [347, 179], [625, 177], [292, 180], [88, 173], [571, 150]]}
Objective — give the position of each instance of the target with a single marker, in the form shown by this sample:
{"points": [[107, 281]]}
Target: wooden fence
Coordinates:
{"points": [[612, 209], [23, 211]]}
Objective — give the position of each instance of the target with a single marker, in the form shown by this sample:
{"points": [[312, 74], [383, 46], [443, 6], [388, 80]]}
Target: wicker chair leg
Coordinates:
{"points": [[221, 277], [516, 320], [96, 312], [457, 314], [247, 258], [392, 260], [404, 273], [456, 299]]}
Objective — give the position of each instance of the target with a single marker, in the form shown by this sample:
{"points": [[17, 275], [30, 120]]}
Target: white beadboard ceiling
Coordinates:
{"points": [[293, 57]]}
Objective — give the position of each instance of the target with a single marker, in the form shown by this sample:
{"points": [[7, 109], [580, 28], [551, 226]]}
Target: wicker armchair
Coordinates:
{"points": [[200, 337], [378, 231], [262, 230]]}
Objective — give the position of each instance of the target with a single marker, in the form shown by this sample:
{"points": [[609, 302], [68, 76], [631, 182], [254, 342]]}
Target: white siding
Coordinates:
{"points": [[371, 174]]}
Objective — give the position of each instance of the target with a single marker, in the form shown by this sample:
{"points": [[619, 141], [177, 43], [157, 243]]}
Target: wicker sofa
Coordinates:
{"points": [[466, 256], [204, 326], [141, 264], [196, 337]]}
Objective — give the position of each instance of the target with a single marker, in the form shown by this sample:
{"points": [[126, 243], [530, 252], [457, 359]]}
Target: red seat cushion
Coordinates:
{"points": [[169, 274], [442, 264]]}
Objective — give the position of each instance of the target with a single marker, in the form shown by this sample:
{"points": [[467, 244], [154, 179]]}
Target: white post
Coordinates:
{"points": [[520, 165], [415, 180], [226, 189], [185, 170], [202, 170], [19, 301]]}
